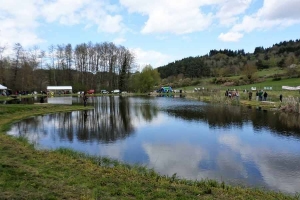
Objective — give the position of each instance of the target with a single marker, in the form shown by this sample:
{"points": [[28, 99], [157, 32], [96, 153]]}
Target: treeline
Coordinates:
{"points": [[188, 67], [85, 66], [227, 52], [218, 63]]}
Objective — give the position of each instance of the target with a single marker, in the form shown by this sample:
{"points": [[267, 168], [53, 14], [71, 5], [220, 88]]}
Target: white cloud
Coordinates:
{"points": [[114, 151], [178, 17], [273, 166], [62, 10], [20, 19], [230, 36], [231, 9], [154, 58], [273, 14], [274, 9], [69, 12], [182, 159], [119, 40], [18, 23], [110, 24]]}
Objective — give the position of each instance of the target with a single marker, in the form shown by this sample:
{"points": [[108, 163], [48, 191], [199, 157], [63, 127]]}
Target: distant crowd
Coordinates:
{"points": [[260, 95], [232, 94]]}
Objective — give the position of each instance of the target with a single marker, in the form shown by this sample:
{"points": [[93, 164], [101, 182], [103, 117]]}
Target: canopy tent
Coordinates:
{"points": [[2, 87], [59, 89], [290, 88]]}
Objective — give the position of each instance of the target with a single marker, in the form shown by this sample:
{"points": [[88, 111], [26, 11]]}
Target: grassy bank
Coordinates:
{"points": [[217, 94], [63, 174]]}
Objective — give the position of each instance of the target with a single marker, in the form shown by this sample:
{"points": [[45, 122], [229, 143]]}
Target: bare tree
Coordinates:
{"points": [[2, 69], [18, 49], [69, 61], [51, 65]]}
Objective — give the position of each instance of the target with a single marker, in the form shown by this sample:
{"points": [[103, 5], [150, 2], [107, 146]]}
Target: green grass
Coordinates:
{"points": [[27, 173], [276, 85], [266, 73], [270, 72]]}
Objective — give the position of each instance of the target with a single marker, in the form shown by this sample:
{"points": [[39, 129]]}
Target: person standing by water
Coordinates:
{"points": [[237, 95], [250, 95], [265, 96], [85, 98], [260, 95], [280, 97], [256, 95]]}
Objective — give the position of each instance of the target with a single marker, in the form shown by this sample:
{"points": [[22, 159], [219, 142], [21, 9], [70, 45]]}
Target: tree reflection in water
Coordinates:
{"points": [[110, 120], [220, 116]]}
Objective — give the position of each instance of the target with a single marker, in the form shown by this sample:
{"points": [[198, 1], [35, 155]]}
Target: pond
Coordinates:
{"points": [[195, 140]]}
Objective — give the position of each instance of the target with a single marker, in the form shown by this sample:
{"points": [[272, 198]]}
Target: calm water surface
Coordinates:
{"points": [[196, 140]]}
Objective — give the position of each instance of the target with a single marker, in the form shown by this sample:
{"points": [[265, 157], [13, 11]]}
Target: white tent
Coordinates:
{"points": [[2, 87], [59, 88], [290, 88]]}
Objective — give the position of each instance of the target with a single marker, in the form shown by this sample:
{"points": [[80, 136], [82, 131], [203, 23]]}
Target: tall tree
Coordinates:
{"points": [[18, 49], [2, 69], [249, 71], [147, 79]]}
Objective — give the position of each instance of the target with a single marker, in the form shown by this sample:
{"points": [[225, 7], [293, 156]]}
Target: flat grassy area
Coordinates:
{"points": [[276, 85], [27, 173]]}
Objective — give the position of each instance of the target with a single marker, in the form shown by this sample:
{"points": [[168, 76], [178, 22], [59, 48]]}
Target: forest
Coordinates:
{"points": [[86, 66]]}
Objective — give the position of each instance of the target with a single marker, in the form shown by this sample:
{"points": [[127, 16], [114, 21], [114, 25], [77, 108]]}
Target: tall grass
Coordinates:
{"points": [[291, 104]]}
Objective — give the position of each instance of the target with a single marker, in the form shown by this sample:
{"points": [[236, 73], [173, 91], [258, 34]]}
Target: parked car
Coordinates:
{"points": [[116, 91], [104, 92], [91, 91]]}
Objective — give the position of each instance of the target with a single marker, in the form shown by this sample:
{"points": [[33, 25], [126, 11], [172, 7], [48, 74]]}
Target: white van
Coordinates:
{"points": [[116, 91]]}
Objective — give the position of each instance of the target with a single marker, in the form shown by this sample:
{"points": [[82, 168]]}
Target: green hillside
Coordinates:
{"points": [[273, 66]]}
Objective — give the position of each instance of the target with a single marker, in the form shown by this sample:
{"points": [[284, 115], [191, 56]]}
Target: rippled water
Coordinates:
{"points": [[238, 145]]}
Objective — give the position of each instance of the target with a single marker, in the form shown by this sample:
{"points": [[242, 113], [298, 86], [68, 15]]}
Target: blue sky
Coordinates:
{"points": [[156, 31]]}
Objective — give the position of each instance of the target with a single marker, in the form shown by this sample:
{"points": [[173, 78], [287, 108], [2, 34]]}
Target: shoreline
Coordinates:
{"points": [[65, 174]]}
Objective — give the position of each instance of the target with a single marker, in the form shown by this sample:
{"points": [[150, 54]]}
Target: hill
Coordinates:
{"points": [[281, 60]]}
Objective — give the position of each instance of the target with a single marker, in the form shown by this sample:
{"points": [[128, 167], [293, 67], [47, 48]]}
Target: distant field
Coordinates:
{"points": [[265, 73], [276, 85], [270, 72]]}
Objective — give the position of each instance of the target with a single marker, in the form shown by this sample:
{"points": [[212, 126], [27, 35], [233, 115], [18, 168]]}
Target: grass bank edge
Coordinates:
{"points": [[11, 113], [202, 188]]}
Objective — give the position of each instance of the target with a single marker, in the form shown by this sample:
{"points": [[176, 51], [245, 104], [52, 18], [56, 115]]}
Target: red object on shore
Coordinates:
{"points": [[91, 91]]}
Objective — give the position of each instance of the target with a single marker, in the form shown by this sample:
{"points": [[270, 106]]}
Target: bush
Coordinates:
{"points": [[276, 79], [228, 84]]}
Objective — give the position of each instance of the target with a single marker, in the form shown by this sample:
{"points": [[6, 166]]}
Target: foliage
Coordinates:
{"points": [[146, 80], [249, 71], [221, 63], [190, 67]]}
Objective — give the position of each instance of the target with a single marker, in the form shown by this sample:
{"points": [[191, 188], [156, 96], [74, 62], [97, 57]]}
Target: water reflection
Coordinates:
{"points": [[238, 145], [108, 122], [219, 116], [41, 99], [273, 165]]}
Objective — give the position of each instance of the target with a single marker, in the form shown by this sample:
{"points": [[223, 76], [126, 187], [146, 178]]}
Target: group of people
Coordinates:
{"points": [[260, 95], [232, 94]]}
